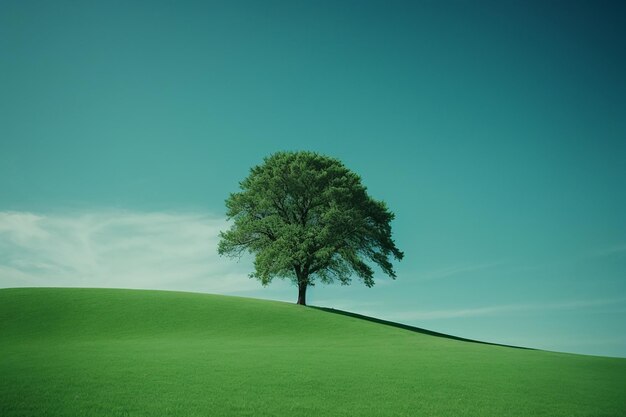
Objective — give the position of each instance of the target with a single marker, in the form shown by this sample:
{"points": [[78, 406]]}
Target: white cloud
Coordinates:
{"points": [[610, 250], [500, 309], [449, 271], [158, 250], [21, 227]]}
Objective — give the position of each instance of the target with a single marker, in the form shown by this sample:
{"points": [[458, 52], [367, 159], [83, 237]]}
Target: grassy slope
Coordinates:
{"points": [[96, 352]]}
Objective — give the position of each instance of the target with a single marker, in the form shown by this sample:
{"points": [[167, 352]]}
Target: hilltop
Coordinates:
{"points": [[105, 352]]}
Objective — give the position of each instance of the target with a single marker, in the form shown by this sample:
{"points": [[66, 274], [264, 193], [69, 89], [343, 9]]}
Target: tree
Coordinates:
{"points": [[306, 217]]}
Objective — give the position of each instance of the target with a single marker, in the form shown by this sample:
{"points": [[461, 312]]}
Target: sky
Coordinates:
{"points": [[495, 131]]}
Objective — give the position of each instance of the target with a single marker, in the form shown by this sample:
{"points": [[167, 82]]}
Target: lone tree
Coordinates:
{"points": [[306, 217]]}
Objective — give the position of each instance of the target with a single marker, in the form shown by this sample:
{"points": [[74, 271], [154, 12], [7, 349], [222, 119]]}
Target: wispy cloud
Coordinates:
{"points": [[500, 309], [610, 250], [446, 272], [118, 249]]}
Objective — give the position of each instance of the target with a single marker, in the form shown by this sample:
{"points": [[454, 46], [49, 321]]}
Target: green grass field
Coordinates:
{"points": [[101, 352]]}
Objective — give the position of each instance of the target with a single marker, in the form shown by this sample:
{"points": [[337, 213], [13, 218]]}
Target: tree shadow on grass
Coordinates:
{"points": [[412, 328]]}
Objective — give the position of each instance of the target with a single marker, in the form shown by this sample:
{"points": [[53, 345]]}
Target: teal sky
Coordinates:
{"points": [[496, 131]]}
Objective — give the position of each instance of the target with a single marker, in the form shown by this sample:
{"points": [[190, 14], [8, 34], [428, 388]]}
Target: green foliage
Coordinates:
{"points": [[306, 216], [109, 353]]}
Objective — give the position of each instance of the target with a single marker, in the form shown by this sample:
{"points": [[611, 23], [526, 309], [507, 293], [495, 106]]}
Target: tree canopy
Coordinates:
{"points": [[306, 217]]}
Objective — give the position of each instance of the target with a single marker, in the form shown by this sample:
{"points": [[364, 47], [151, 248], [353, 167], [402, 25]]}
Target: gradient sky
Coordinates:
{"points": [[496, 131]]}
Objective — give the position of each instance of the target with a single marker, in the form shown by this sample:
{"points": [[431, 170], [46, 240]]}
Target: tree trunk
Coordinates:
{"points": [[302, 293]]}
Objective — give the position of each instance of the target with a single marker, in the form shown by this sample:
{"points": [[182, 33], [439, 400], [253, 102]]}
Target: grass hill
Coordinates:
{"points": [[102, 352]]}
